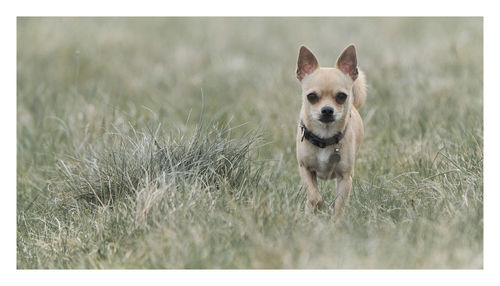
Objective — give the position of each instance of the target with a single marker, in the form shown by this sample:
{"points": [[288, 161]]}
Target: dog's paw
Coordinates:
{"points": [[315, 202]]}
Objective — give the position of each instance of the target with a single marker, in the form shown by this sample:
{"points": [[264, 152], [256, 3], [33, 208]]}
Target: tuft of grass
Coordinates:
{"points": [[209, 159]]}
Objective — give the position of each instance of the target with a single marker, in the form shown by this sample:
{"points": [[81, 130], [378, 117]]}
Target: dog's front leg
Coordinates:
{"points": [[344, 185], [311, 184]]}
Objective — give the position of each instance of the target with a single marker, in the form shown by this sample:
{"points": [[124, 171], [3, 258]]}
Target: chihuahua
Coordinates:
{"points": [[330, 128]]}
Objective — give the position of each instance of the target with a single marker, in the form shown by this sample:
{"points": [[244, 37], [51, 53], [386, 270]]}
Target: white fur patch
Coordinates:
{"points": [[324, 130], [324, 158]]}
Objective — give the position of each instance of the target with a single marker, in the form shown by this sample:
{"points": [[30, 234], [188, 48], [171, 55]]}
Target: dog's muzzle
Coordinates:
{"points": [[327, 115]]}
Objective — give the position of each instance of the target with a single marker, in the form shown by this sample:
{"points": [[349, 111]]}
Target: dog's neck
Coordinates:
{"points": [[319, 141]]}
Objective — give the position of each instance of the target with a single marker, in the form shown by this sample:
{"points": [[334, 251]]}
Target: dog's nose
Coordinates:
{"points": [[327, 111]]}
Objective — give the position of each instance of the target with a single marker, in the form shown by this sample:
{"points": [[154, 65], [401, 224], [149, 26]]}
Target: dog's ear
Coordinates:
{"points": [[306, 63], [347, 62]]}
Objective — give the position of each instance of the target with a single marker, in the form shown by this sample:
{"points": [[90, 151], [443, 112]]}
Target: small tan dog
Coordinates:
{"points": [[330, 128]]}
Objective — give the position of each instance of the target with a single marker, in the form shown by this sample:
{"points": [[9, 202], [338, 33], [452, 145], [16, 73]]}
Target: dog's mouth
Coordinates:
{"points": [[327, 119]]}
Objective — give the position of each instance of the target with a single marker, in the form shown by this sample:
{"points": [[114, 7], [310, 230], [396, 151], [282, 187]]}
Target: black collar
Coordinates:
{"points": [[318, 141]]}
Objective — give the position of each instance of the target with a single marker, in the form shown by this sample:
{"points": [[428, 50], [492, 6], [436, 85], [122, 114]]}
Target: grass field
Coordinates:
{"points": [[169, 143]]}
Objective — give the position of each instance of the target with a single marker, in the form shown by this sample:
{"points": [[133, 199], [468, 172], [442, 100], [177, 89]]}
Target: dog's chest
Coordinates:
{"points": [[323, 158], [325, 161]]}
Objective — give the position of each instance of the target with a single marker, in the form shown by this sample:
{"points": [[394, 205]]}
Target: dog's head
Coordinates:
{"points": [[327, 92]]}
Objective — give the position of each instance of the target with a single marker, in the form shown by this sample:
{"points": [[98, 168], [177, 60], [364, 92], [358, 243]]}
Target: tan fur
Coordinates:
{"points": [[360, 90], [317, 162]]}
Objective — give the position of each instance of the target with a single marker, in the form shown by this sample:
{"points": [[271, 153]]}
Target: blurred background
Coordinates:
{"points": [[85, 70]]}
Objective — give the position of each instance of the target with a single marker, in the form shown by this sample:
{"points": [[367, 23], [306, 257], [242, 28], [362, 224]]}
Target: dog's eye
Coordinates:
{"points": [[312, 97], [341, 97]]}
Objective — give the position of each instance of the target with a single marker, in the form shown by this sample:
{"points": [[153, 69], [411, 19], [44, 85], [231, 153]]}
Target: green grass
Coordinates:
{"points": [[169, 143]]}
